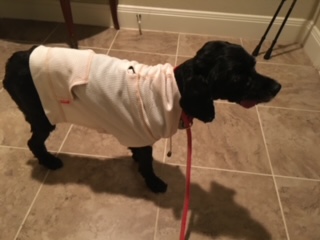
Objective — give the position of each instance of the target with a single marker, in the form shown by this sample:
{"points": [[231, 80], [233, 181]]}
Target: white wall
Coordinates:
{"points": [[311, 43]]}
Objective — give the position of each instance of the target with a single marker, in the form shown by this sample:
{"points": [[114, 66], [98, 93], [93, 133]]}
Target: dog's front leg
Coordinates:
{"points": [[143, 155]]}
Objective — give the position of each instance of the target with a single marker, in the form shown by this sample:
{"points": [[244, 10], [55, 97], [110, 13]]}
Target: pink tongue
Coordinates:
{"points": [[248, 103]]}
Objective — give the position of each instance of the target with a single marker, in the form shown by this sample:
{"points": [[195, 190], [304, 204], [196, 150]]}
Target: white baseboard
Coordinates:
{"points": [[211, 23], [159, 19]]}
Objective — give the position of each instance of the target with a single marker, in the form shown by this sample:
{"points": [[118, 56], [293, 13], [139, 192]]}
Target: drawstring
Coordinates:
{"points": [[169, 154]]}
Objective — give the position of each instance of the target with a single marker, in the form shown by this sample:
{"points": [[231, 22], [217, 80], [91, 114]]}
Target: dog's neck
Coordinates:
{"points": [[178, 74]]}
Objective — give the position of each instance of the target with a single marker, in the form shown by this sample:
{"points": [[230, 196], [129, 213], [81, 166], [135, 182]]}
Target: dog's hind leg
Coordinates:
{"points": [[143, 155], [31, 107], [19, 84]]}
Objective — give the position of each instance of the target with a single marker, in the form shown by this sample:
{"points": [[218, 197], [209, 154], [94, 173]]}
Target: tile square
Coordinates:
{"points": [[301, 206], [224, 205], [232, 141], [148, 42], [292, 138], [190, 44], [17, 188], [92, 198], [285, 53], [300, 85]]}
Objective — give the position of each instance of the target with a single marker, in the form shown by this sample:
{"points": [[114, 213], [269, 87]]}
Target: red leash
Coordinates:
{"points": [[186, 204]]}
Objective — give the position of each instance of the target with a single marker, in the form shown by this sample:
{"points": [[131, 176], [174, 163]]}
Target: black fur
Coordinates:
{"points": [[220, 70]]}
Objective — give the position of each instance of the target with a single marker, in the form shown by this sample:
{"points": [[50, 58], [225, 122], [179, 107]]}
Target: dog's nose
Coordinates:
{"points": [[276, 89]]}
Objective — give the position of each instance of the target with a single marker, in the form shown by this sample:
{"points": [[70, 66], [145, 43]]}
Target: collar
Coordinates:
{"points": [[185, 121]]}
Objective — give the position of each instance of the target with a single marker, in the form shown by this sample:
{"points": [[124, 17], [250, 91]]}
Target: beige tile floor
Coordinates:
{"points": [[255, 175]]}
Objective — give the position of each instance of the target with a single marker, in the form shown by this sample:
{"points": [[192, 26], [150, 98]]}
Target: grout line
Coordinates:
{"points": [[298, 178], [292, 109], [132, 51], [241, 41], [156, 224], [234, 171], [50, 34], [13, 147], [223, 170], [64, 140], [87, 155], [273, 176], [178, 45], [30, 207], [283, 64], [272, 107], [250, 173], [114, 39], [185, 56]]}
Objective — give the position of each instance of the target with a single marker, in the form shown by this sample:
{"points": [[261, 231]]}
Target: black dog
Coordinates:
{"points": [[220, 70]]}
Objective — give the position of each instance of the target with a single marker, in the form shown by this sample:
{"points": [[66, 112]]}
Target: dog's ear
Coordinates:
{"points": [[196, 99]]}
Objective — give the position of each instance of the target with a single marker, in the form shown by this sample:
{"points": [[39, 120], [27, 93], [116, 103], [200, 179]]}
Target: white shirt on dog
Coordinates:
{"points": [[136, 103]]}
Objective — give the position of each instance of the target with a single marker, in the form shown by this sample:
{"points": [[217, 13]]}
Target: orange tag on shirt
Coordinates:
{"points": [[65, 101]]}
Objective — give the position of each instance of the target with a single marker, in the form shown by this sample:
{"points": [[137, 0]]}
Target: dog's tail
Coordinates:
{"points": [[17, 66]]}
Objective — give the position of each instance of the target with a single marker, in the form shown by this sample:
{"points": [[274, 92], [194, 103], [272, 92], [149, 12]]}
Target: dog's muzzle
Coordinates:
{"points": [[270, 94]]}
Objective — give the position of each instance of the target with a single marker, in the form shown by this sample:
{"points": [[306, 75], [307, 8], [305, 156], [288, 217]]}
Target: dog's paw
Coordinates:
{"points": [[51, 162], [156, 185]]}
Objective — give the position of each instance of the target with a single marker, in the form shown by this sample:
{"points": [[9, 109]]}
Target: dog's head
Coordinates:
{"points": [[221, 70]]}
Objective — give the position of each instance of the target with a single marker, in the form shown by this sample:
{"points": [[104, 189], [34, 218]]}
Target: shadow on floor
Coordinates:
{"points": [[285, 49], [213, 213], [30, 31]]}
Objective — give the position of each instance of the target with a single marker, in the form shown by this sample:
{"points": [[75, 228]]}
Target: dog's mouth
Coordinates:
{"points": [[248, 103]]}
